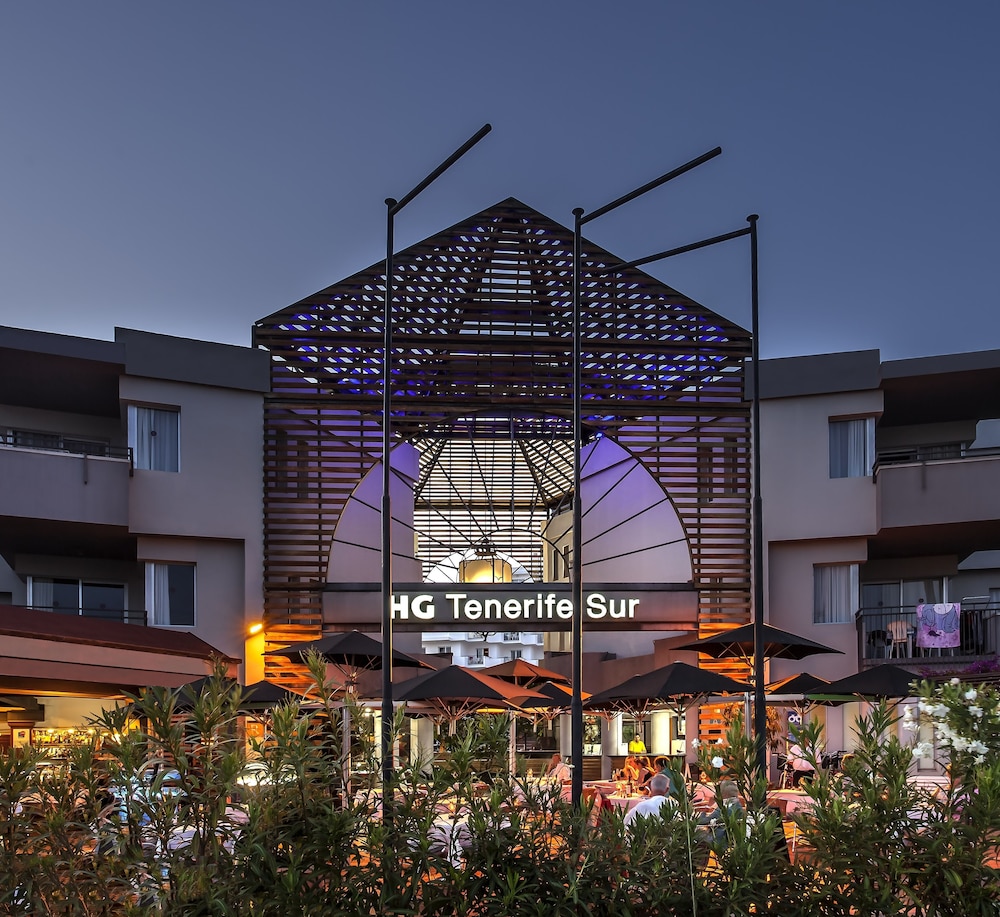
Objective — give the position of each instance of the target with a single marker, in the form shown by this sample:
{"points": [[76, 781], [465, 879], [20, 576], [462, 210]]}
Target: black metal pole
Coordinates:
{"points": [[757, 505], [649, 186], [392, 208], [669, 253], [387, 707], [576, 638], [759, 708]]}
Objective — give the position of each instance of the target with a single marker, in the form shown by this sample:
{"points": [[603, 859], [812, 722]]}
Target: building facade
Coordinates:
{"points": [[131, 495], [881, 495], [129, 499]]}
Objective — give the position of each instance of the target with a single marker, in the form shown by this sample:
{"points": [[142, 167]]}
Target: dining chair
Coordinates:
{"points": [[899, 631]]}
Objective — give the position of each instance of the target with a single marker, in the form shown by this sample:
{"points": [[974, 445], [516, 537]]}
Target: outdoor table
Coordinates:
{"points": [[793, 800], [625, 802]]}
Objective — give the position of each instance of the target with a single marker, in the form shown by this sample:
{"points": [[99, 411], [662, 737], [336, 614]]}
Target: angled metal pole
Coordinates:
{"points": [[576, 636], [392, 208], [649, 186], [757, 508]]}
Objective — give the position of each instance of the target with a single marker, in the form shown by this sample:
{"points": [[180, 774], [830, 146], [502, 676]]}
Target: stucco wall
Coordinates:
{"points": [[799, 497]]}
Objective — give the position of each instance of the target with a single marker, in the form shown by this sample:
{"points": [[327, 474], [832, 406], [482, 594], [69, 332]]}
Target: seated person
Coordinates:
{"points": [[630, 770], [700, 794], [714, 821], [657, 805], [799, 763], [645, 771], [557, 768]]}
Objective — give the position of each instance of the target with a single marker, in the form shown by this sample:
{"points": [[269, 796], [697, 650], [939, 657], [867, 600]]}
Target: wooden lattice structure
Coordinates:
{"points": [[482, 328]]}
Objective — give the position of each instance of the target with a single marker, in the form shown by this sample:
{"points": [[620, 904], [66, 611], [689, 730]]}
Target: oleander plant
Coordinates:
{"points": [[179, 817]]}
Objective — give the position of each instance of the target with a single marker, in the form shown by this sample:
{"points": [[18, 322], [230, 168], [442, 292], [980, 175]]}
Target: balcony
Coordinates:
{"points": [[56, 477], [894, 634], [914, 490], [120, 615]]}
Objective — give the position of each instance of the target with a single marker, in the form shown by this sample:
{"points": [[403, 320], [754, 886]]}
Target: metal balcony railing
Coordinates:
{"points": [[892, 632], [121, 615], [946, 452], [67, 443]]}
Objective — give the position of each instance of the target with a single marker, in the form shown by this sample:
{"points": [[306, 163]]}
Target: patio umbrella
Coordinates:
{"points": [[739, 644], [522, 672], [677, 685], [256, 697], [793, 690], [455, 691], [351, 654], [877, 683], [556, 699]]}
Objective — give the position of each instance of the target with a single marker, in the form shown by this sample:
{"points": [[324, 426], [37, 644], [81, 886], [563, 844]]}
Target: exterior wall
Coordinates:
{"points": [[222, 605], [790, 603], [209, 513], [800, 498], [217, 489]]}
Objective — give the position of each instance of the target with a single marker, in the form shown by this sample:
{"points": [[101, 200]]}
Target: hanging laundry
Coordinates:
{"points": [[938, 625]]}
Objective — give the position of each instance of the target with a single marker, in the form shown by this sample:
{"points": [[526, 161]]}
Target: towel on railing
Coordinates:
{"points": [[937, 625]]}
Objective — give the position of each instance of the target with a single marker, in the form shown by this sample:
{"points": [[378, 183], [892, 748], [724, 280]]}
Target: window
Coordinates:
{"points": [[170, 594], [835, 593], [511, 636], [154, 436], [516, 654], [852, 447], [73, 596]]}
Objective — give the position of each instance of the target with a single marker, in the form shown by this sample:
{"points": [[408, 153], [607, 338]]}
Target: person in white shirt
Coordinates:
{"points": [[558, 769], [657, 805], [799, 763]]}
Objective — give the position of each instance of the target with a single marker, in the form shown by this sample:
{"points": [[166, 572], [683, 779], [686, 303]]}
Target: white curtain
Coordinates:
{"points": [[158, 593], [42, 592], [852, 447], [835, 593], [154, 436]]}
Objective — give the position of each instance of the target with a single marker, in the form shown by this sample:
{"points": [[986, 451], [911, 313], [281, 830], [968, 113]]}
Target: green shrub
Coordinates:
{"points": [[303, 845]]}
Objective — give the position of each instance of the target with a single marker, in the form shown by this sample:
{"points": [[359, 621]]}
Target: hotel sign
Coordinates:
{"points": [[514, 607]]}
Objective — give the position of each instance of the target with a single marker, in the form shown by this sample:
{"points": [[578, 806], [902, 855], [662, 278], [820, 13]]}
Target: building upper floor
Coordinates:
{"points": [[905, 451], [143, 434]]}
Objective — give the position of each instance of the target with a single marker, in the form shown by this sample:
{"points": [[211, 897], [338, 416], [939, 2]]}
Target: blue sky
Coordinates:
{"points": [[190, 167]]}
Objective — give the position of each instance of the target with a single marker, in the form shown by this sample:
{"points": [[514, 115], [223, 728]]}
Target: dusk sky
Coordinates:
{"points": [[191, 167]]}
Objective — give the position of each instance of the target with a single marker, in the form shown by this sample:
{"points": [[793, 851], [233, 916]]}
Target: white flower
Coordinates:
{"points": [[717, 762], [956, 681], [975, 710], [923, 749], [695, 743], [977, 747], [971, 694], [719, 742]]}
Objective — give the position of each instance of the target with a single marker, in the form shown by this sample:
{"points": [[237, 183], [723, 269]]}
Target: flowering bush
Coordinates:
{"points": [[966, 721]]}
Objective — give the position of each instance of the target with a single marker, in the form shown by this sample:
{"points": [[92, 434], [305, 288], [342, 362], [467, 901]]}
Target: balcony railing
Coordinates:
{"points": [[914, 455], [122, 616], [62, 442], [889, 632]]}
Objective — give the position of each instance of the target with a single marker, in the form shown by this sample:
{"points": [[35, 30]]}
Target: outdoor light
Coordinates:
{"points": [[486, 567], [255, 628]]}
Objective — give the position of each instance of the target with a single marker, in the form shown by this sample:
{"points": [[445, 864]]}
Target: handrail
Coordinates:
{"points": [[61, 443], [135, 616]]}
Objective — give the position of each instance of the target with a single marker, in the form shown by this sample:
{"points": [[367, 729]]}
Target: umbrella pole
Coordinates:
{"points": [[512, 745], [346, 753]]}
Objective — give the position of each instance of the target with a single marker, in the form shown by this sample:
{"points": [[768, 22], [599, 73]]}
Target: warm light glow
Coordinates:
{"points": [[485, 570], [255, 628]]}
